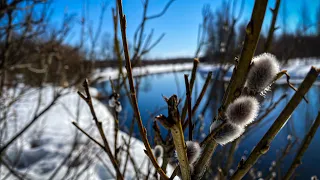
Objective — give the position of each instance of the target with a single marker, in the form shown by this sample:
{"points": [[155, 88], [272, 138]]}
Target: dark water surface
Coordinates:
{"points": [[150, 100]]}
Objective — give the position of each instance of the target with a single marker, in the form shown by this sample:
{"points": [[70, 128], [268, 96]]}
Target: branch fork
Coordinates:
{"points": [[173, 123]]}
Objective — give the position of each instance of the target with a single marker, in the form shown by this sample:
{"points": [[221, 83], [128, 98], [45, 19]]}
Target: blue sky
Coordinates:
{"points": [[180, 23]]}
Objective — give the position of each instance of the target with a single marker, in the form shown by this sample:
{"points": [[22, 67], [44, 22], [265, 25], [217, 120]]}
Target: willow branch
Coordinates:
{"points": [[128, 148], [238, 77], [263, 146], [209, 145], [142, 130], [116, 130], [189, 105], [230, 157], [242, 68], [199, 99], [98, 123], [202, 163], [163, 10], [193, 78], [274, 11], [88, 135], [304, 146], [178, 139]]}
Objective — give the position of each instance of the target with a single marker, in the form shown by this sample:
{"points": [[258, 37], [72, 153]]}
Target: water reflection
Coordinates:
{"points": [[151, 103]]}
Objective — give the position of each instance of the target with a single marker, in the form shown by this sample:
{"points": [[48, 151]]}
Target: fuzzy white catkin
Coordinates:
{"points": [[191, 168], [259, 174], [263, 71], [243, 110], [118, 106], [158, 151], [112, 102], [228, 133], [193, 151]]}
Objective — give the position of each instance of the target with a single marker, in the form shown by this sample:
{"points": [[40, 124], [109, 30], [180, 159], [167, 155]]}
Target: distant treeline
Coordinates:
{"points": [[285, 47], [293, 46]]}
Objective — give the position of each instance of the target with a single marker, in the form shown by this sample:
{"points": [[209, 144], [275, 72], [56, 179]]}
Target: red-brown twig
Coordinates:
{"points": [[304, 146], [192, 80], [142, 130], [106, 146], [189, 106], [196, 105]]}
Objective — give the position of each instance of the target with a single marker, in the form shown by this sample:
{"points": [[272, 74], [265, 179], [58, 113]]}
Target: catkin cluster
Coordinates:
{"points": [[244, 109], [114, 102], [193, 153]]}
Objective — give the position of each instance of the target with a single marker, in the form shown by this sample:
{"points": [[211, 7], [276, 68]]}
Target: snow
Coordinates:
{"points": [[113, 73], [297, 69], [47, 143]]}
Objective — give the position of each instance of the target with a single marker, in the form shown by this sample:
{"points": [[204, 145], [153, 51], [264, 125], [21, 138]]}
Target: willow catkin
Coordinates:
{"points": [[242, 111], [158, 151], [228, 133], [264, 69], [118, 107], [193, 151], [112, 102]]}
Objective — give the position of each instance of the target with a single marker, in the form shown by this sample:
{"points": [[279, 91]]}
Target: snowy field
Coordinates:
{"points": [[47, 143]]}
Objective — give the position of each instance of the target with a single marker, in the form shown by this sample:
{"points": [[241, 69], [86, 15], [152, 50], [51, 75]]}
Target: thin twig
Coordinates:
{"points": [[136, 169], [189, 106], [128, 148], [304, 146], [133, 94], [106, 146], [105, 165], [199, 99], [193, 78], [202, 163], [88, 135], [230, 155], [12, 170], [173, 123], [292, 87], [242, 68], [274, 11], [162, 12], [174, 173]]}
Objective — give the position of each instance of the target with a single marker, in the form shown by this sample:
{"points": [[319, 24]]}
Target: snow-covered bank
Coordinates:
{"points": [[112, 73], [48, 142], [297, 69]]}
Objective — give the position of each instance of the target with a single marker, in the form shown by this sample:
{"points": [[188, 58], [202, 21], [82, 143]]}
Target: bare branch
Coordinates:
{"points": [[133, 94], [304, 146]]}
